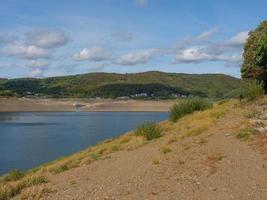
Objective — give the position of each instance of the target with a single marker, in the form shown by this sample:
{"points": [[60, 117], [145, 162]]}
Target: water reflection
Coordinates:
{"points": [[30, 139], [6, 117]]}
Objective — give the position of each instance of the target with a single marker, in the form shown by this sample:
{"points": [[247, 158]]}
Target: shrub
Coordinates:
{"points": [[188, 106], [253, 89], [149, 130]]}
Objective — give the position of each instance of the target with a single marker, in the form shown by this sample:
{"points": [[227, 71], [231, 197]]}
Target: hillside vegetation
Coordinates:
{"points": [[111, 85]]}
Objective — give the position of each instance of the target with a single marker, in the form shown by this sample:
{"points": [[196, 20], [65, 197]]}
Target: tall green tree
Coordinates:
{"points": [[255, 55]]}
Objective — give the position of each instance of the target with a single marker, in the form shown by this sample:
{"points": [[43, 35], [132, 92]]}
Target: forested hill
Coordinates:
{"points": [[111, 85]]}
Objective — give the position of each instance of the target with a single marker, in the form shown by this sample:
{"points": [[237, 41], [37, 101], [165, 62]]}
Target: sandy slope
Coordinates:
{"points": [[211, 165], [24, 104]]}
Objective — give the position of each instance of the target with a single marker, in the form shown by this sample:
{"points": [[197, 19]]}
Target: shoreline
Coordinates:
{"points": [[68, 105]]}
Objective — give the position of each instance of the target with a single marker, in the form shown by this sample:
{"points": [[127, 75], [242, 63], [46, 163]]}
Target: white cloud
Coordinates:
{"points": [[203, 49], [137, 57], [142, 2], [25, 51], [207, 34], [192, 55], [198, 55], [36, 73], [203, 37], [46, 38], [38, 64], [238, 40], [94, 54], [37, 44]]}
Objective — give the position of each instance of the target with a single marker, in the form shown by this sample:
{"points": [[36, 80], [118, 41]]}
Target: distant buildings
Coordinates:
{"points": [[140, 95], [123, 98]]}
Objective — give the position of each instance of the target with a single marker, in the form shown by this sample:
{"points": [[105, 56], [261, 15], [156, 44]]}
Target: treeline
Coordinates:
{"points": [[111, 85]]}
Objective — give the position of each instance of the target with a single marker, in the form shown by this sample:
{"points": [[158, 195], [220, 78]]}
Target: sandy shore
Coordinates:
{"points": [[46, 105]]}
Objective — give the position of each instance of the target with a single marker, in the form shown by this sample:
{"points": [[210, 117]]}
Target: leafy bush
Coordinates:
{"points": [[255, 55], [149, 130], [188, 106], [253, 89]]}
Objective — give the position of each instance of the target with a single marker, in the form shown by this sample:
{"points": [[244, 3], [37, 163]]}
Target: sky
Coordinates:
{"points": [[63, 37]]}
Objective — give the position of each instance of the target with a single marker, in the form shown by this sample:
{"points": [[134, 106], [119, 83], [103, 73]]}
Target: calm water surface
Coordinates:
{"points": [[28, 139]]}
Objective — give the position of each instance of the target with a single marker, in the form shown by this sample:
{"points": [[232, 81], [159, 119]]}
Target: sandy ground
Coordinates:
{"points": [[25, 104]]}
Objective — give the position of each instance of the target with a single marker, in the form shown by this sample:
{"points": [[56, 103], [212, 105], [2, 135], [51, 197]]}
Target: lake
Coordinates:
{"points": [[28, 139]]}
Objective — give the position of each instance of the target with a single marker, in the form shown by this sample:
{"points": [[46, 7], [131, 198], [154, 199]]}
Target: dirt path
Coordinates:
{"points": [[212, 165]]}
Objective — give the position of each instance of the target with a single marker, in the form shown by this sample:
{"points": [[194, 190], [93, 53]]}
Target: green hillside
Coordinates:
{"points": [[112, 85]]}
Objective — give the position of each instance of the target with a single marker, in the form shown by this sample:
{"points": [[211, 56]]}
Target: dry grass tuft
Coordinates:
{"points": [[8, 190], [155, 162], [165, 150]]}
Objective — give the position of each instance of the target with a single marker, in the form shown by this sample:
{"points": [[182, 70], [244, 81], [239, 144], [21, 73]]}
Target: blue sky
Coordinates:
{"points": [[61, 37]]}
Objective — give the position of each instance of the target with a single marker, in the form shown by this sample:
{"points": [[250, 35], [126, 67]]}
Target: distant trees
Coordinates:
{"points": [[255, 55]]}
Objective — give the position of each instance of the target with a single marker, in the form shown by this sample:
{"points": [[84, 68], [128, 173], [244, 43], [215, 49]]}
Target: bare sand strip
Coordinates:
{"points": [[61, 105]]}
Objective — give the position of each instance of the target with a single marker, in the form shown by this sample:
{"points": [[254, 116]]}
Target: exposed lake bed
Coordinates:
{"points": [[91, 105]]}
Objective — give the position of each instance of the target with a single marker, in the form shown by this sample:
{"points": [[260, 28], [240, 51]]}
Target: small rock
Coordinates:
{"points": [[261, 129], [258, 122]]}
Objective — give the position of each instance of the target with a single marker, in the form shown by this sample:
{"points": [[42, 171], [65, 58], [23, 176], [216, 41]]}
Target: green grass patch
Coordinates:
{"points": [[61, 168], [149, 130], [187, 106], [243, 134], [14, 175], [223, 101], [95, 156], [253, 89]]}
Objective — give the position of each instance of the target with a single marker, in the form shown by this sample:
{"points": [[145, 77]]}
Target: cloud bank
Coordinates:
{"points": [[139, 57], [46, 38], [95, 54]]}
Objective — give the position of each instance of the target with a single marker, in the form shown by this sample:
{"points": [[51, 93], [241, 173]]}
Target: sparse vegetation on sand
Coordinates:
{"points": [[188, 106]]}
